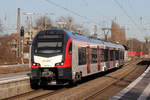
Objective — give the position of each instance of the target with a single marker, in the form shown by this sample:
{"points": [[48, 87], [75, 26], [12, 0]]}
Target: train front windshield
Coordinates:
{"points": [[49, 44]]}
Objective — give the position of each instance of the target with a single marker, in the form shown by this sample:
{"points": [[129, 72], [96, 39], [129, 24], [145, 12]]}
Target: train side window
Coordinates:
{"points": [[111, 55], [102, 55], [120, 54], [70, 48], [93, 52], [82, 56], [123, 55], [106, 54], [117, 54]]}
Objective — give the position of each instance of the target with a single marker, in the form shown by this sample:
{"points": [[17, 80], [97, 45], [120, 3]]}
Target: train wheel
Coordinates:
{"points": [[80, 77], [34, 83]]}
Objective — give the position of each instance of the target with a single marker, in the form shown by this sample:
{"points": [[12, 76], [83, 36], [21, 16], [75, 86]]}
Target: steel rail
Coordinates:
{"points": [[47, 94], [104, 88]]}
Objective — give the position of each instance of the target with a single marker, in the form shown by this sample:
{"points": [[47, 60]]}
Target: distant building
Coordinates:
{"points": [[117, 33], [14, 43], [8, 48]]}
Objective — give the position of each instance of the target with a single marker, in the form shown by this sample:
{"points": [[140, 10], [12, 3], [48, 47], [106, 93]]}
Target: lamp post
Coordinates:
{"points": [[30, 31], [22, 43]]}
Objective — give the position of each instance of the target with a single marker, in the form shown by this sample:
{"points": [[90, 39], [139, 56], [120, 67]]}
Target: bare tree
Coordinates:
{"points": [[69, 24], [81, 29], [43, 22], [6, 55], [65, 22], [1, 27]]}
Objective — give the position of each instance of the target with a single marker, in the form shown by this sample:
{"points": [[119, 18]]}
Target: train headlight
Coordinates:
{"points": [[36, 64], [59, 64]]}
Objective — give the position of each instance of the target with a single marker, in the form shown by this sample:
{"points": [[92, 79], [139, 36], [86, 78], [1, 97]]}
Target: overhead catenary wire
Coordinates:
{"points": [[133, 12], [126, 13], [71, 11], [131, 7]]}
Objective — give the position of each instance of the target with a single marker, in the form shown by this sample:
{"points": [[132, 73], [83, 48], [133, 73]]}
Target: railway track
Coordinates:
{"points": [[36, 94], [46, 93], [100, 91], [67, 97], [24, 96]]}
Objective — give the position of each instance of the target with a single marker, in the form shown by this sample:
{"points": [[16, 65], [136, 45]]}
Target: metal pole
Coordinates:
{"points": [[149, 49], [141, 19], [30, 31], [18, 32], [22, 42], [45, 22], [30, 40]]}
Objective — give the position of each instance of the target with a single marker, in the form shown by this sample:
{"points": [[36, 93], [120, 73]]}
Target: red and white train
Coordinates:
{"points": [[60, 56]]}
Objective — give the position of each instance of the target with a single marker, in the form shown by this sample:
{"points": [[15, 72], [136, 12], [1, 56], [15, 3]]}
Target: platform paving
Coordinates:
{"points": [[137, 90], [14, 84]]}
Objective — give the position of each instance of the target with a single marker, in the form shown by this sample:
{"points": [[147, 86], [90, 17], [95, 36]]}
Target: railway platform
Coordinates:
{"points": [[137, 90]]}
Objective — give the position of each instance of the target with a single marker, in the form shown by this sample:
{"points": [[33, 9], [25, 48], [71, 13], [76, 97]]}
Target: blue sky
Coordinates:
{"points": [[98, 11]]}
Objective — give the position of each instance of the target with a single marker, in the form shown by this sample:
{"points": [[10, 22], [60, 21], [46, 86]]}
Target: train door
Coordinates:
{"points": [[98, 58], [88, 58], [70, 54]]}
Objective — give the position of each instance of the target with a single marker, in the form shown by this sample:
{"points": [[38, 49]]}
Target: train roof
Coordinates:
{"points": [[79, 36], [89, 39], [113, 45]]}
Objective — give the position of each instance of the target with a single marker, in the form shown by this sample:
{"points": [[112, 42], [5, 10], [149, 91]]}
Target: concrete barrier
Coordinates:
{"points": [[16, 65], [14, 86]]}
